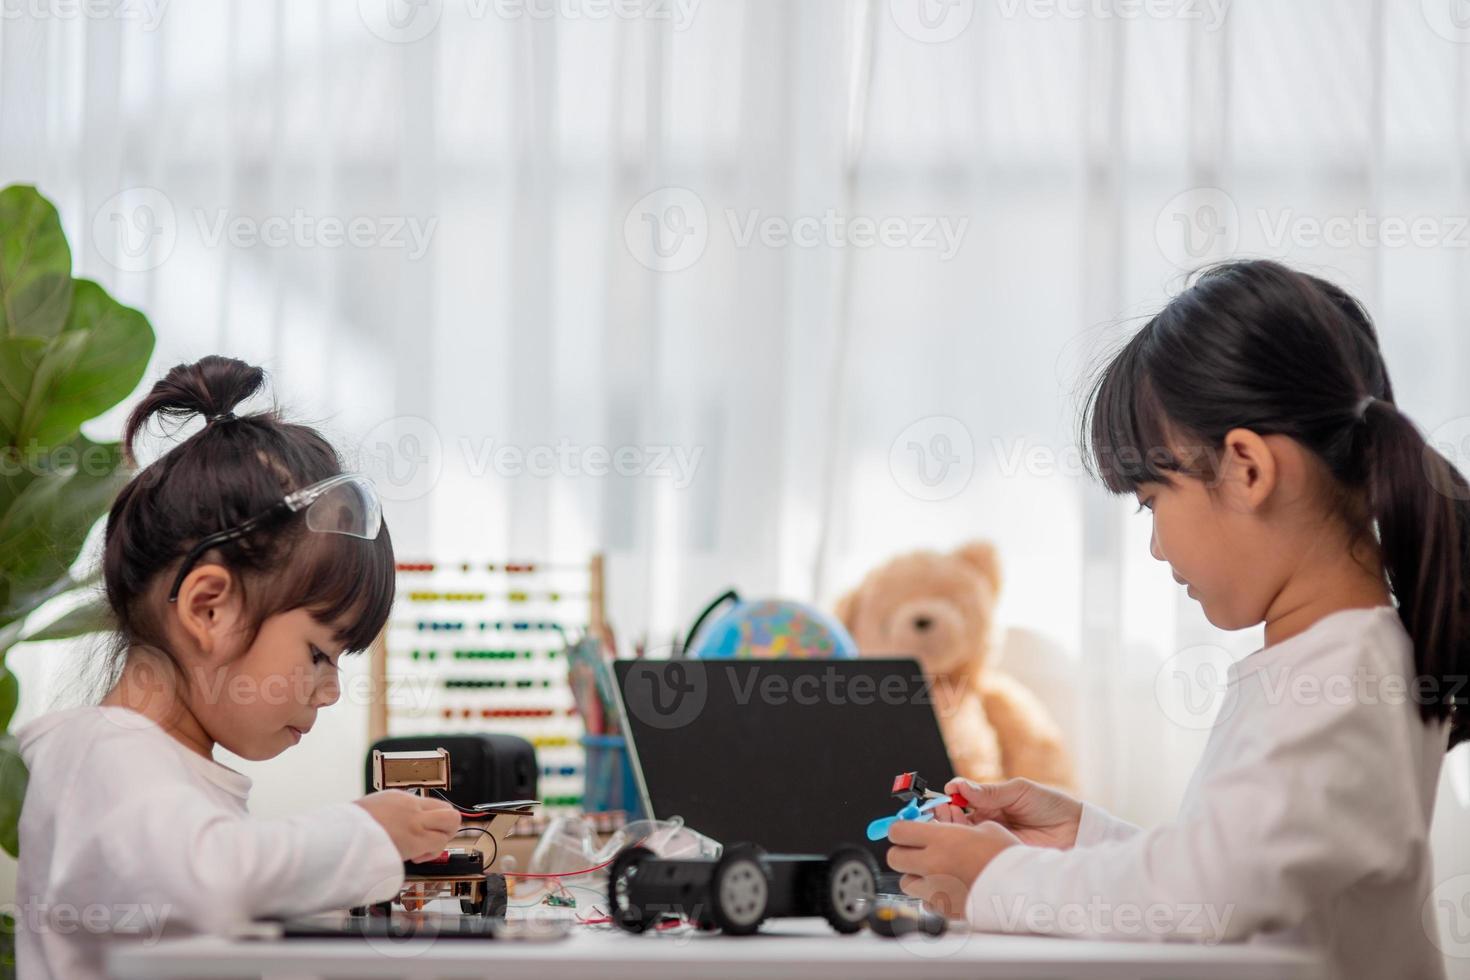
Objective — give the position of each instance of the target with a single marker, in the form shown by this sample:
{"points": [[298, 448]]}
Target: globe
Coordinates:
{"points": [[772, 628]]}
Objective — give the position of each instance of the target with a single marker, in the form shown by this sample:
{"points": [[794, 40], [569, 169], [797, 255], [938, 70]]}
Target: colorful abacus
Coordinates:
{"points": [[478, 647]]}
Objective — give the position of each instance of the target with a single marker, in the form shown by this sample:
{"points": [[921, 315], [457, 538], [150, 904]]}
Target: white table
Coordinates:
{"points": [[785, 947]]}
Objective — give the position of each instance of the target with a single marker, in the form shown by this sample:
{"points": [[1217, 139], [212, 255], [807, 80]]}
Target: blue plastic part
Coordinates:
{"points": [[878, 829]]}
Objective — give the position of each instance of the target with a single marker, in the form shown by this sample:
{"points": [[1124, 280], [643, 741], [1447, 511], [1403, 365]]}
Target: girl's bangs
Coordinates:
{"points": [[1125, 431], [343, 581]]}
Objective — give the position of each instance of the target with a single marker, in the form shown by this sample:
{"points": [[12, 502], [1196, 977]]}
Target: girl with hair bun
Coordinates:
{"points": [[240, 567]]}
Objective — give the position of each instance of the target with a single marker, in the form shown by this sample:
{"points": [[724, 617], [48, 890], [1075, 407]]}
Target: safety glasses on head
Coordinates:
{"points": [[343, 504]]}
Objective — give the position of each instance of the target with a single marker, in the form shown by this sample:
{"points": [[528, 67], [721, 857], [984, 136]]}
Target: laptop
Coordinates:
{"points": [[797, 756]]}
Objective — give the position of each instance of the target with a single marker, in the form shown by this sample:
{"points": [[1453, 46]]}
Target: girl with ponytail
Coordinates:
{"points": [[1253, 417], [240, 567]]}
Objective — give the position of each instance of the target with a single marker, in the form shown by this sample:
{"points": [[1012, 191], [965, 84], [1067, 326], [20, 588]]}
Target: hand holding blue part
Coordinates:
{"points": [[912, 789]]}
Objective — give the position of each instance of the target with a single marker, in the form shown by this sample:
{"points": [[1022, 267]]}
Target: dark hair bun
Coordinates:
{"points": [[211, 386]]}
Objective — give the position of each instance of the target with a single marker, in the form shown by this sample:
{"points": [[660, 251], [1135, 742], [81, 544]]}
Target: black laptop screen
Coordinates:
{"points": [[794, 755]]}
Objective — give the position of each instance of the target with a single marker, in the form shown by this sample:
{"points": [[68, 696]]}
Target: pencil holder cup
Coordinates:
{"points": [[610, 783]]}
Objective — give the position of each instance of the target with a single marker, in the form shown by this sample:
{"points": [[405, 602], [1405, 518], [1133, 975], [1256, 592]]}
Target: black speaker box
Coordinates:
{"points": [[482, 768]]}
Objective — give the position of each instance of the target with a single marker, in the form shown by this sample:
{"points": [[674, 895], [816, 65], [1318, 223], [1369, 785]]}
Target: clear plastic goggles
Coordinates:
{"points": [[343, 504], [346, 504]]}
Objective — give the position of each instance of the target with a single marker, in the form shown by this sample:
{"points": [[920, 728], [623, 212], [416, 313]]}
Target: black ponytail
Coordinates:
{"points": [[1259, 346], [212, 387], [1421, 506]]}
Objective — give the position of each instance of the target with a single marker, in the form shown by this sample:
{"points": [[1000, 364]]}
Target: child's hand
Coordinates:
{"points": [[419, 826], [940, 861], [1037, 815]]}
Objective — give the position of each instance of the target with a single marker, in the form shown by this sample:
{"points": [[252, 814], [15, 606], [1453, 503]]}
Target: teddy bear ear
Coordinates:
{"points": [[982, 556], [846, 609]]}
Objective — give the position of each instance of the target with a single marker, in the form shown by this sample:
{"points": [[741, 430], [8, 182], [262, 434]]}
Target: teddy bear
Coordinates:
{"points": [[939, 608]]}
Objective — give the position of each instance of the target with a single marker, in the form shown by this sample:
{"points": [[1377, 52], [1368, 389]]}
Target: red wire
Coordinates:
{"points": [[569, 874], [561, 874]]}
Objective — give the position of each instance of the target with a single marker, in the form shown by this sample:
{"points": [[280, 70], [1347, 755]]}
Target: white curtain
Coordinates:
{"points": [[891, 238]]}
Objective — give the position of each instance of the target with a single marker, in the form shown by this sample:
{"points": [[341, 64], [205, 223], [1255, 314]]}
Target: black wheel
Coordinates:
{"points": [[621, 880], [475, 904], [487, 900], [740, 890], [848, 889], [496, 896]]}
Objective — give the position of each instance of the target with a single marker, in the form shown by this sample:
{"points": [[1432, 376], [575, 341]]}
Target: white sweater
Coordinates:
{"points": [[1306, 822], [126, 835]]}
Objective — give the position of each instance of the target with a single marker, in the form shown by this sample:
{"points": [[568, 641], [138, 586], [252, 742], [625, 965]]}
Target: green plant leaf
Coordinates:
{"points": [[68, 353], [42, 532], [9, 695], [35, 265], [94, 364], [13, 780], [20, 359]]}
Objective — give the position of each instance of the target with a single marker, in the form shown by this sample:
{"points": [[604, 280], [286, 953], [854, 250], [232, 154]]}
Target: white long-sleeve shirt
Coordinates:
{"points": [[1306, 822], [126, 835]]}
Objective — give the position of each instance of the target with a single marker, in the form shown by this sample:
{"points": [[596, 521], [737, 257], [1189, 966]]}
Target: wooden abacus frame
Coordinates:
{"points": [[378, 653]]}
